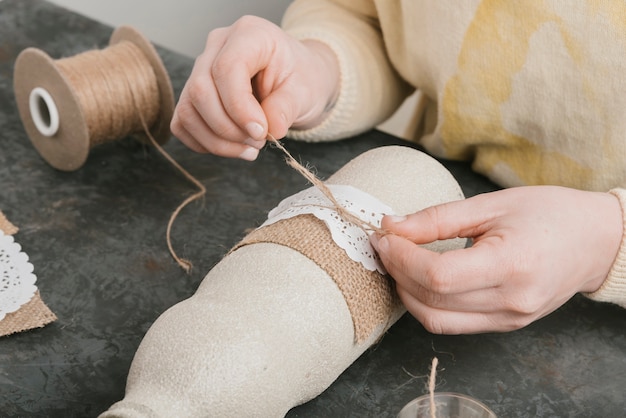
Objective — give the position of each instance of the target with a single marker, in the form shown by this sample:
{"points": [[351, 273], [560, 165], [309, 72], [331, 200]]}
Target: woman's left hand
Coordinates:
{"points": [[533, 249]]}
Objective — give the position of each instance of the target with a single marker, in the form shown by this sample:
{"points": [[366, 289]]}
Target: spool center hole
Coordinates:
{"points": [[44, 111]]}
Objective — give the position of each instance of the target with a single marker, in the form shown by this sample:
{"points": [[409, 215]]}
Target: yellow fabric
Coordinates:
{"points": [[530, 92]]}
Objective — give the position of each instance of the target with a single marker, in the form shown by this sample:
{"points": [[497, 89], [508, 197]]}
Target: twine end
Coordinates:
{"points": [[185, 265], [431, 387]]}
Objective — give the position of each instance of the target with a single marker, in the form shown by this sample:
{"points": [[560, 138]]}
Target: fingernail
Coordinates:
{"points": [[258, 144], [249, 154], [379, 243], [397, 219], [255, 130], [374, 241]]}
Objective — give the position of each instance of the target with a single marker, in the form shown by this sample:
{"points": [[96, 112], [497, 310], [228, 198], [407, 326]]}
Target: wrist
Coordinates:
{"points": [[615, 250]]}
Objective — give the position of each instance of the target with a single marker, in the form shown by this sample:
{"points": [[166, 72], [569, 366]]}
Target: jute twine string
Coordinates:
{"points": [[345, 214], [431, 387], [182, 262], [119, 94]]}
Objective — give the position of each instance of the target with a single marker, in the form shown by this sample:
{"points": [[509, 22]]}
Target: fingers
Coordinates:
{"points": [[456, 271], [524, 302], [451, 293], [452, 322], [217, 111], [282, 84], [199, 120], [246, 52], [200, 137], [462, 218]]}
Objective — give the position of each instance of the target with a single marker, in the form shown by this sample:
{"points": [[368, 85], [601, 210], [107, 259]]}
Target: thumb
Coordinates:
{"points": [[458, 219], [281, 109]]}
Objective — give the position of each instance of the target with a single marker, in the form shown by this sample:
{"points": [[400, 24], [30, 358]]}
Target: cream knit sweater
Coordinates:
{"points": [[531, 92]]}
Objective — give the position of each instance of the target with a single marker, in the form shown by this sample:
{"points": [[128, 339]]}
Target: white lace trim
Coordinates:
{"points": [[17, 281], [353, 239]]}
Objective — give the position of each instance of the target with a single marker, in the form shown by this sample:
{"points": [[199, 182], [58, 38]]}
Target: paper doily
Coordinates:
{"points": [[17, 281], [353, 239]]}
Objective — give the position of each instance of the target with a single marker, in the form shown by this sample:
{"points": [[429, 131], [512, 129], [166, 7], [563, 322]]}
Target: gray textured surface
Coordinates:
{"points": [[97, 240]]}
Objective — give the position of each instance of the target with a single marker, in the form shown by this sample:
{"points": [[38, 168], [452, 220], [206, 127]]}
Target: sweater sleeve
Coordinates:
{"points": [[614, 287], [371, 90]]}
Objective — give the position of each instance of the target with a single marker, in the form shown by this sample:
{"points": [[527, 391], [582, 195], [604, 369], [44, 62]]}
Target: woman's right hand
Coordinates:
{"points": [[252, 80]]}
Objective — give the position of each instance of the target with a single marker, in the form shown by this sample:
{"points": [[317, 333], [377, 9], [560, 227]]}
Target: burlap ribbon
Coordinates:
{"points": [[370, 296], [6, 226], [34, 313]]}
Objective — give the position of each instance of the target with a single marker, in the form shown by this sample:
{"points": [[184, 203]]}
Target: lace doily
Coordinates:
{"points": [[350, 237], [17, 281]]}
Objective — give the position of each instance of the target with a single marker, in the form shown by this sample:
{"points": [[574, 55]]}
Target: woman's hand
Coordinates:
{"points": [[533, 249], [253, 79]]}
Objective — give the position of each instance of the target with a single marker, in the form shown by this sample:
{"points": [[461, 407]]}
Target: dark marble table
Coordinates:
{"points": [[96, 237]]}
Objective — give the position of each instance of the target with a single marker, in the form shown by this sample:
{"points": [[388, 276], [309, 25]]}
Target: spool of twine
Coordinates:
{"points": [[73, 104], [70, 105]]}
